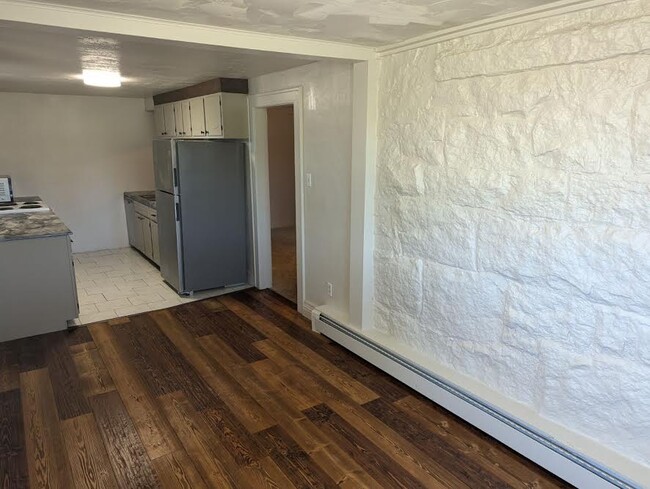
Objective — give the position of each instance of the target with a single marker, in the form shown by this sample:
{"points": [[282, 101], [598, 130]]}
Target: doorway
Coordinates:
{"points": [[271, 113], [282, 191]]}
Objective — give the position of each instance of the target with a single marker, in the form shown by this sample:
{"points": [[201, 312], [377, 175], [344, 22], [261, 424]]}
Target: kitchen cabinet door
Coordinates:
{"points": [[141, 223], [213, 119], [170, 123], [146, 234], [159, 120], [155, 252], [234, 111], [131, 226], [178, 119], [197, 115], [187, 120]]}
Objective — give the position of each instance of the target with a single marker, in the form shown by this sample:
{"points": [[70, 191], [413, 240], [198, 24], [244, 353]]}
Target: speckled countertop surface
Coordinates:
{"points": [[145, 197], [31, 225]]}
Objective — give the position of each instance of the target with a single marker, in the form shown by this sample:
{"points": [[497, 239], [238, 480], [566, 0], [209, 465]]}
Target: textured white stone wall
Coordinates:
{"points": [[513, 215]]}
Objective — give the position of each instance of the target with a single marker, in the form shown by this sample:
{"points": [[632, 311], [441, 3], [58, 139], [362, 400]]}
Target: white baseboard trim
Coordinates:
{"points": [[533, 444], [307, 308]]}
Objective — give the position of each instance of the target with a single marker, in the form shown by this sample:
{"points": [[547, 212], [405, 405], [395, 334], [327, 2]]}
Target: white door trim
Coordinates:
{"points": [[260, 177]]}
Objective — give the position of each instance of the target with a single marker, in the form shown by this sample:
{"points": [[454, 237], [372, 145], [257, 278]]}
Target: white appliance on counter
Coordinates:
{"points": [[6, 191], [23, 207]]}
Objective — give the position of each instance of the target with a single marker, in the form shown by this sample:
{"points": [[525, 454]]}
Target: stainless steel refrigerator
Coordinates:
{"points": [[201, 203]]}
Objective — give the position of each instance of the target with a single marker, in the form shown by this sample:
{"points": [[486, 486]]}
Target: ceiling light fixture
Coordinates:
{"points": [[101, 78]]}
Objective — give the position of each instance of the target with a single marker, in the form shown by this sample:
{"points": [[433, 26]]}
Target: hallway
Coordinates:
{"points": [[283, 245]]}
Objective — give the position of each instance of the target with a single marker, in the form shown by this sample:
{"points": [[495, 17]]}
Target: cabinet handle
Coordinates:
{"points": [[206, 132]]}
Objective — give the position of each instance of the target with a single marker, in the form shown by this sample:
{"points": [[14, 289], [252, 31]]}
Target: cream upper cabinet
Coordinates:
{"points": [[159, 120], [178, 118], [219, 115], [182, 118], [187, 120], [212, 110], [234, 113], [170, 123], [198, 116]]}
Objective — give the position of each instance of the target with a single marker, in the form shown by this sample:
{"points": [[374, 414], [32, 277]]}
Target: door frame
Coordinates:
{"points": [[261, 216]]}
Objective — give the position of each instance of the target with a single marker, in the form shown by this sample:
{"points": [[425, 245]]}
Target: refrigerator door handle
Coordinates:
{"points": [[175, 176], [178, 211]]}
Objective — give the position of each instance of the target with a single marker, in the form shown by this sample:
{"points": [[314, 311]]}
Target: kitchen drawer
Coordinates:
{"points": [[146, 211]]}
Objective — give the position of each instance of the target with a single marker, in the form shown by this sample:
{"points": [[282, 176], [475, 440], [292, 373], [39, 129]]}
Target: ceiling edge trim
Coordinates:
{"points": [[154, 28], [549, 10]]}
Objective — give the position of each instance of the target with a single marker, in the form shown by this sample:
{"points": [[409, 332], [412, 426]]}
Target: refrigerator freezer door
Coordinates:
{"points": [[168, 239], [163, 163], [212, 188]]}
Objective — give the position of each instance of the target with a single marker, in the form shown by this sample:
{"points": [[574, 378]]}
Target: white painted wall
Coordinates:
{"points": [[513, 215], [282, 187], [327, 87], [79, 154]]}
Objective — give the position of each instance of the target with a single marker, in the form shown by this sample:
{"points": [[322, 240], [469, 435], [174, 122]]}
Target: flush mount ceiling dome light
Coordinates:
{"points": [[102, 78]]}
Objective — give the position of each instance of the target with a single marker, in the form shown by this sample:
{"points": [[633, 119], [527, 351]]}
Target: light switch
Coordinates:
{"points": [[308, 179]]}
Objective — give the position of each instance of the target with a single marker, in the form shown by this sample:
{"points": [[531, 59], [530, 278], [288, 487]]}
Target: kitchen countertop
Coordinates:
{"points": [[31, 225], [145, 197]]}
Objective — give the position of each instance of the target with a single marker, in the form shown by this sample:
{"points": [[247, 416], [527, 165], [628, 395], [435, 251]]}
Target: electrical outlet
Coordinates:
{"points": [[308, 179], [330, 289]]}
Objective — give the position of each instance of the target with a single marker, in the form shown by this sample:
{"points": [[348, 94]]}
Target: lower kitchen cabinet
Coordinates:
{"points": [[155, 252], [142, 227], [38, 290]]}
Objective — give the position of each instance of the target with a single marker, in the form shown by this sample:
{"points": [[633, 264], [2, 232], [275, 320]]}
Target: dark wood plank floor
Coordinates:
{"points": [[230, 392]]}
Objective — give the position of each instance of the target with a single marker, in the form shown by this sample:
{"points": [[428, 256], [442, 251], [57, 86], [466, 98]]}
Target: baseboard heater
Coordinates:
{"points": [[561, 460]]}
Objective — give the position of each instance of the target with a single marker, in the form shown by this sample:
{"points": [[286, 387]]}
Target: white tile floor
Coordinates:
{"points": [[121, 282]]}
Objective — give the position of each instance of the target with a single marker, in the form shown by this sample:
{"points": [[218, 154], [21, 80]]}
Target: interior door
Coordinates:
{"points": [[213, 120], [198, 116]]}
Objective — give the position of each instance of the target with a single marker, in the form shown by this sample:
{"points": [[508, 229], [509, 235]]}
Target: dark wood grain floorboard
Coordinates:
{"points": [[31, 353], [473, 443], [154, 430], [141, 340], [13, 462], [436, 446], [46, 457], [234, 391], [87, 455], [94, 377], [131, 465], [177, 471], [249, 412], [68, 390], [78, 336], [357, 368], [193, 318], [212, 460], [294, 461], [379, 466], [237, 334]]}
